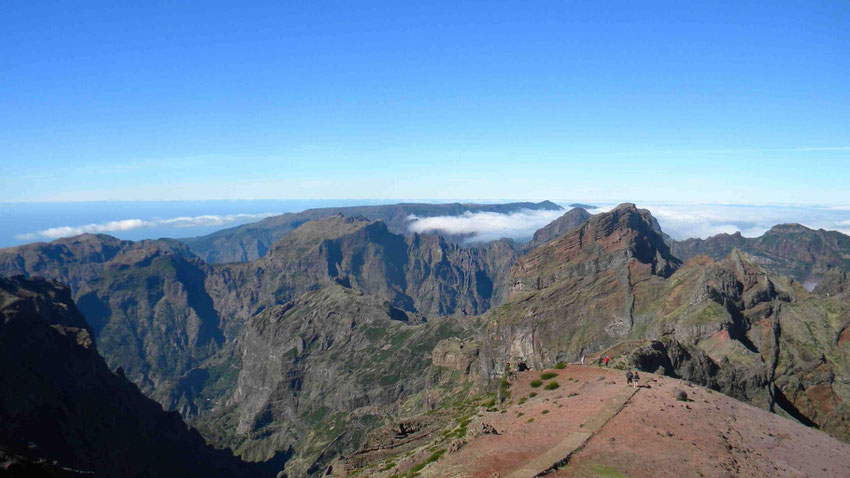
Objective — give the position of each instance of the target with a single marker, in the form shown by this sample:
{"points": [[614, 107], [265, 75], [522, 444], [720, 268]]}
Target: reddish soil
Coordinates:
{"points": [[653, 435]]}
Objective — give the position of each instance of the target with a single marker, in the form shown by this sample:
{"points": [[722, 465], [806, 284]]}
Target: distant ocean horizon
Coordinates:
{"points": [[26, 222]]}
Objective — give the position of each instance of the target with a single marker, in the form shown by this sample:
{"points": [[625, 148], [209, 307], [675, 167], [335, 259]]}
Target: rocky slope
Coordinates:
{"points": [[145, 300], [728, 324], [159, 312], [251, 241], [424, 274], [344, 325], [317, 373], [572, 219], [64, 413], [790, 250], [594, 425]]}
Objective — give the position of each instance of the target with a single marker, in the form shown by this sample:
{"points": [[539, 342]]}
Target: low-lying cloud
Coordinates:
{"points": [[682, 221], [132, 224], [486, 226]]}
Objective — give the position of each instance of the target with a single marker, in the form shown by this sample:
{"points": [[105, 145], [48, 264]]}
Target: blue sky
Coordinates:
{"points": [[742, 102]]}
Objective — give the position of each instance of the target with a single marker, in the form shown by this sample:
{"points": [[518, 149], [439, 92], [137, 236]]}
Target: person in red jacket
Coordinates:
{"points": [[607, 359]]}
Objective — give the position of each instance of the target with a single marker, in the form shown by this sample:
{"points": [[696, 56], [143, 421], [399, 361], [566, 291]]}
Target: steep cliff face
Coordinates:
{"points": [[787, 249], [577, 293], [610, 286], [64, 413], [572, 219], [318, 373], [622, 236], [252, 241], [160, 313], [145, 300], [423, 274]]}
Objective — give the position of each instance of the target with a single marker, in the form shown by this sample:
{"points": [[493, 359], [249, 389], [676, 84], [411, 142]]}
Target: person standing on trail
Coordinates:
{"points": [[582, 360], [607, 359], [635, 379], [628, 377]]}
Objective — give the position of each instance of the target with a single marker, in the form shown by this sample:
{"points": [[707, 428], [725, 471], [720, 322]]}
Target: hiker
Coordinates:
{"points": [[582, 360], [607, 359], [628, 377], [635, 379], [599, 361]]}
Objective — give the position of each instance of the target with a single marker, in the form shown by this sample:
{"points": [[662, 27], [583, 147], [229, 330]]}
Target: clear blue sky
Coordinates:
{"points": [[677, 101]]}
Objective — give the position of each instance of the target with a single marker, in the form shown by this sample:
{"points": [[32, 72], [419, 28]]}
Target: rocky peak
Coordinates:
{"points": [[619, 236], [835, 282], [789, 228], [569, 221]]}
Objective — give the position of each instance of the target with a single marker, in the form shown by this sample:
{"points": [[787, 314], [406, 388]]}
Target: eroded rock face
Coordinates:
{"points": [[604, 242], [791, 250], [423, 274], [835, 282], [318, 373], [250, 242], [146, 301], [572, 219], [609, 286], [456, 354], [160, 313], [62, 404], [577, 293]]}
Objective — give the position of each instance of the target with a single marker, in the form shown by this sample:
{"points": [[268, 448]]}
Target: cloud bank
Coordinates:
{"points": [[132, 224], [486, 226], [682, 221]]}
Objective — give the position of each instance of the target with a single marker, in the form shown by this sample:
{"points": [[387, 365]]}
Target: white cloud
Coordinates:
{"points": [[131, 224], [487, 226], [703, 220]]}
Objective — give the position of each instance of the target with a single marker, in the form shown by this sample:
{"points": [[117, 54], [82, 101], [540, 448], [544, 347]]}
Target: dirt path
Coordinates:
{"points": [[561, 453]]}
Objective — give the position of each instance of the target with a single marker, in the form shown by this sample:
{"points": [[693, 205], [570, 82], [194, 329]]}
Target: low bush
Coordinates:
{"points": [[536, 383], [548, 375], [551, 385]]}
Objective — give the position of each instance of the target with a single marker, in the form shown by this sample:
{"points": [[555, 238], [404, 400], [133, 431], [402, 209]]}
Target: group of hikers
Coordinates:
{"points": [[632, 376]]}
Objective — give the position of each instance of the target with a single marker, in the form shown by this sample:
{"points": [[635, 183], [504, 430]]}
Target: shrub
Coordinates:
{"points": [[548, 375], [522, 400], [561, 365], [552, 385], [536, 383], [544, 412], [530, 420], [431, 459], [532, 394]]}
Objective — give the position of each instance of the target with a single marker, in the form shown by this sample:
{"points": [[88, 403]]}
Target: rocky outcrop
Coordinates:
{"points": [[456, 354], [423, 274], [572, 219], [65, 413], [318, 373], [834, 282], [252, 241], [790, 250], [607, 287], [160, 313], [625, 235], [146, 300]]}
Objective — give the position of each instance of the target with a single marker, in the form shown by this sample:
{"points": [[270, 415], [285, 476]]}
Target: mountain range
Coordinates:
{"points": [[292, 339]]}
